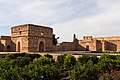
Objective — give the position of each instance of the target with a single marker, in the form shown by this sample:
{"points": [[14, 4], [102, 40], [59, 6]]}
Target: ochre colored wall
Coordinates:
{"points": [[31, 36], [39, 34], [20, 34], [101, 44]]}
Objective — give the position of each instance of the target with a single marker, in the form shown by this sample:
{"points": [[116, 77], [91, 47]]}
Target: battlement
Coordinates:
{"points": [[87, 37]]}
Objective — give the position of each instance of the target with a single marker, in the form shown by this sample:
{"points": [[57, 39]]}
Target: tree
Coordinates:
{"points": [[69, 61], [95, 59], [84, 72], [43, 61], [84, 59], [20, 69], [108, 62], [54, 40], [60, 59]]}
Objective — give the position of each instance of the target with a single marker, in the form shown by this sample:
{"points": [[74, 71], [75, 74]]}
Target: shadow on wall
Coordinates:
{"points": [[8, 48], [13, 47], [99, 46], [108, 46], [111, 46], [80, 48], [1, 47]]}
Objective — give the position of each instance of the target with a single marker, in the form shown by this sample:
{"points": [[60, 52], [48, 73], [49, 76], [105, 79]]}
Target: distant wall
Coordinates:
{"points": [[6, 45], [101, 44], [67, 46]]}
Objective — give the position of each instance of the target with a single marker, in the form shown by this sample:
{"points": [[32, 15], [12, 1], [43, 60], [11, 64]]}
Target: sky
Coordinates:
{"points": [[97, 18]]}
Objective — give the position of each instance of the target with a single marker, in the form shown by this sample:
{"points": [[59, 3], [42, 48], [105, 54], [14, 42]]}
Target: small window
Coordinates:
{"points": [[19, 28], [42, 33], [20, 32]]}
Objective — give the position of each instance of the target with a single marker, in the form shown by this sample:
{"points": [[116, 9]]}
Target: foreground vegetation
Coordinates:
{"points": [[24, 66]]}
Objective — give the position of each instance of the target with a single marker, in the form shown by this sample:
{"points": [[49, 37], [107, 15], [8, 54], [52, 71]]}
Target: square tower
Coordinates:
{"points": [[32, 38]]}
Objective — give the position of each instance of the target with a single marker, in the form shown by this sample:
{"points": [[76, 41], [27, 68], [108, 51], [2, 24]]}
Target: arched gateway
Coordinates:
{"points": [[8, 48], [18, 47], [41, 47]]}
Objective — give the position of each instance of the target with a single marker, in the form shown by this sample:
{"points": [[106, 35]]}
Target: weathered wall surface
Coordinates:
{"points": [[98, 45], [101, 44], [111, 43], [88, 45], [38, 34], [28, 38], [20, 38], [5, 43], [67, 46], [36, 38]]}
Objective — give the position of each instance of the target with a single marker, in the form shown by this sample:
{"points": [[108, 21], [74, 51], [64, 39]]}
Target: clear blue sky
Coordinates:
{"points": [[82, 17]]}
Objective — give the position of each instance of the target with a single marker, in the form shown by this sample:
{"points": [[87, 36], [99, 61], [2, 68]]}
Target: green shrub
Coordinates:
{"points": [[69, 61], [84, 59], [60, 59], [108, 62], [43, 61], [95, 59], [48, 55], [16, 55], [84, 72]]}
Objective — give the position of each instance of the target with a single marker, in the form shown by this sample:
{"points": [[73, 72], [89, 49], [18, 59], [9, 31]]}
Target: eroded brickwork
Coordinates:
{"points": [[20, 37], [36, 38], [101, 44], [28, 38], [92, 44], [5, 43], [38, 34]]}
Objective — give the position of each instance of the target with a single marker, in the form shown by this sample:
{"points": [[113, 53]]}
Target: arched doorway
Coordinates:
{"points": [[8, 48], [41, 46], [87, 47], [18, 47]]}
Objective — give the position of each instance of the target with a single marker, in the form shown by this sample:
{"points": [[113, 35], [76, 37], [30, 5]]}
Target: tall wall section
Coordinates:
{"points": [[20, 38], [112, 43], [40, 38]]}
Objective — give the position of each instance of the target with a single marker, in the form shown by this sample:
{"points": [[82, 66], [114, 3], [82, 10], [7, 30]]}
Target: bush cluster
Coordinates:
{"points": [[22, 66]]}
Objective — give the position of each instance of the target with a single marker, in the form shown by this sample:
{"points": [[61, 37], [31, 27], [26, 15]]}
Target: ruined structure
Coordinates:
{"points": [[5, 43], [94, 44], [28, 38], [36, 38], [101, 44]]}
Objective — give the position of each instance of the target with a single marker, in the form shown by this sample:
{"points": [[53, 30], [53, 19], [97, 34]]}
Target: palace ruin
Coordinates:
{"points": [[36, 38]]}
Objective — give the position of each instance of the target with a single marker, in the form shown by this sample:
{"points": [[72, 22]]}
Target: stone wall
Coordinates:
{"points": [[20, 38], [67, 46], [98, 45], [101, 44], [111, 43], [36, 38], [28, 37], [88, 45], [5, 43], [38, 34]]}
